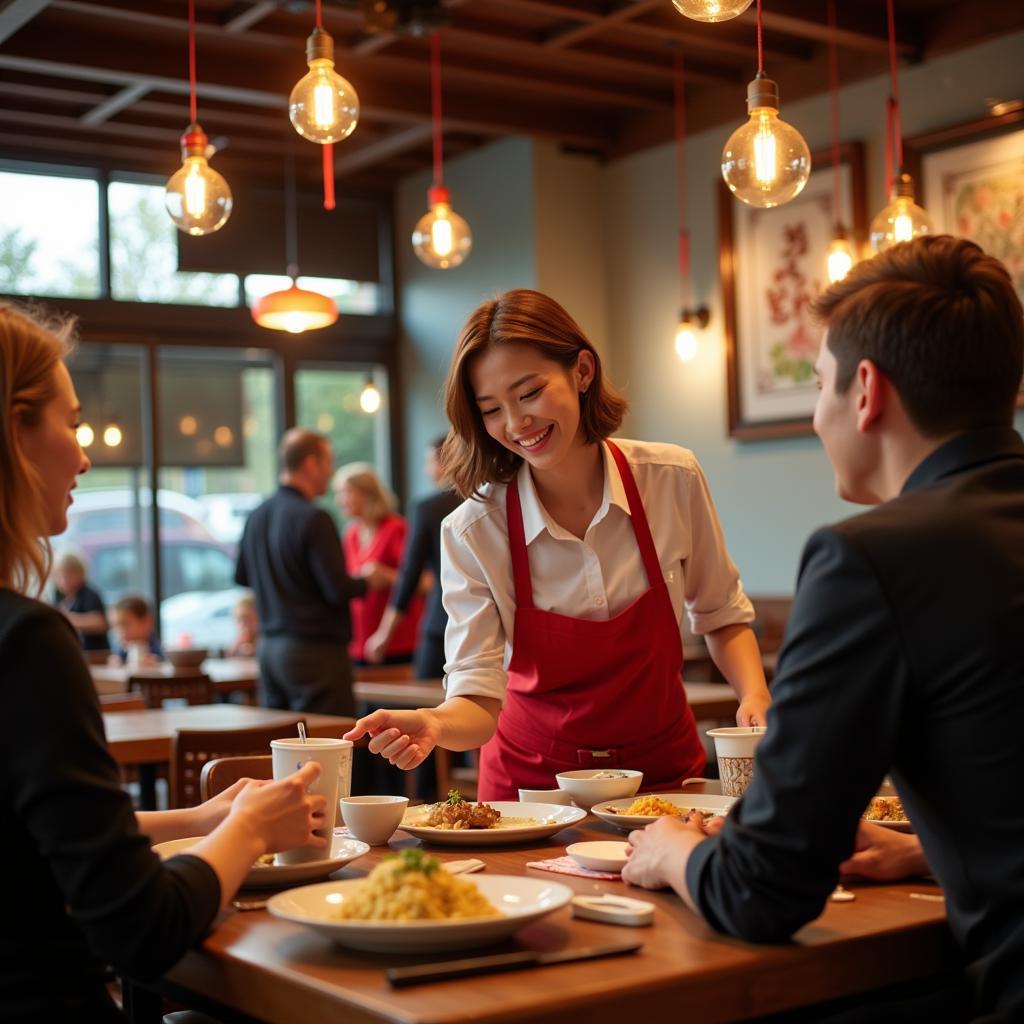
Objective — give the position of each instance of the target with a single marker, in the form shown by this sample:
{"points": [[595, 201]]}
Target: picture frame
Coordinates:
{"points": [[771, 263], [970, 178]]}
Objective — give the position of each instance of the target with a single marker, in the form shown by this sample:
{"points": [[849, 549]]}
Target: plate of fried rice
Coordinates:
{"points": [[644, 808]]}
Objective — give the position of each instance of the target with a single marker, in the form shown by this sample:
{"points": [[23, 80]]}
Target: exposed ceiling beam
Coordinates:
{"points": [[372, 43], [14, 14], [115, 104], [373, 153], [626, 11], [245, 19]]}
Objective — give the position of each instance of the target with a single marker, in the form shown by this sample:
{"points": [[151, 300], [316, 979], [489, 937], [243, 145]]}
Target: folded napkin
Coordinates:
{"points": [[567, 866], [342, 831]]}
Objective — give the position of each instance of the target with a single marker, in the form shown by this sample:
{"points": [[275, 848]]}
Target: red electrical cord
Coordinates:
{"points": [[760, 41], [833, 84], [680, 123], [893, 133], [435, 102], [192, 61], [319, 15]]}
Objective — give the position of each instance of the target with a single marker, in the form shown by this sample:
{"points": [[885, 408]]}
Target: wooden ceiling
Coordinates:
{"points": [[105, 81]]}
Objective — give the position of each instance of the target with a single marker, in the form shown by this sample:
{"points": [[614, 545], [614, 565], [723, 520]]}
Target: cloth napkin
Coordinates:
{"points": [[567, 866]]}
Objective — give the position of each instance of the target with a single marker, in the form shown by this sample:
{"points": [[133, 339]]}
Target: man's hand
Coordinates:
{"points": [[884, 855], [658, 853]]}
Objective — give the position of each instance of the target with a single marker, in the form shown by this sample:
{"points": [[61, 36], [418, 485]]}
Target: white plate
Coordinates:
{"points": [[552, 818], [609, 810], [267, 876], [601, 856], [896, 826], [520, 900]]}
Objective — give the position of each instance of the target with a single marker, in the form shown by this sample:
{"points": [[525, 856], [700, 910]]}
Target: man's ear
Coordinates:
{"points": [[872, 394]]}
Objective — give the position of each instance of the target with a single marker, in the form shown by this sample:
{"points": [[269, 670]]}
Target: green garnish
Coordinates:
{"points": [[417, 860], [455, 797]]}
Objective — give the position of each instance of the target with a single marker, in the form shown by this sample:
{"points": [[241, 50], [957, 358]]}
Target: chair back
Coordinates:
{"points": [[192, 749], [382, 673], [219, 774], [194, 688], [96, 657], [122, 702]]}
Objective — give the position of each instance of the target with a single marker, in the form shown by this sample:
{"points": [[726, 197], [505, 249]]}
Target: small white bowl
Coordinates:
{"points": [[373, 819], [545, 796], [599, 856], [186, 657], [586, 787]]}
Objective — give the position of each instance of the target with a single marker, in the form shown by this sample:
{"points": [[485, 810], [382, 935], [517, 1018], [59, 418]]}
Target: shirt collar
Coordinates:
{"points": [[973, 448], [535, 516]]}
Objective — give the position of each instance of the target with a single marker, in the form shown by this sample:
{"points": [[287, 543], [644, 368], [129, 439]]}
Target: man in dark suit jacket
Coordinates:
{"points": [[904, 651], [422, 551]]}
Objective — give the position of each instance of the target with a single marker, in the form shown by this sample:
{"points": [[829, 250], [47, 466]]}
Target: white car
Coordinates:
{"points": [[225, 514], [201, 619]]}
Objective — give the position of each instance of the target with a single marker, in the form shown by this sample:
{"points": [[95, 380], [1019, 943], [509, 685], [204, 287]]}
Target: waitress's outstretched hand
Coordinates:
{"points": [[405, 738], [753, 709]]}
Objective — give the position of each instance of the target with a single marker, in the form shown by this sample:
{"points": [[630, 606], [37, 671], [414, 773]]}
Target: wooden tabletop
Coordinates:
{"points": [[228, 674], [282, 972], [144, 737]]}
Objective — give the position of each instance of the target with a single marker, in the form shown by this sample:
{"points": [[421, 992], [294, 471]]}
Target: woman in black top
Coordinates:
{"points": [[82, 886]]}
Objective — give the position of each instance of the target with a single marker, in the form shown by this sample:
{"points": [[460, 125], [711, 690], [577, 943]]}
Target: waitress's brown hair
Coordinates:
{"points": [[30, 349], [470, 456]]}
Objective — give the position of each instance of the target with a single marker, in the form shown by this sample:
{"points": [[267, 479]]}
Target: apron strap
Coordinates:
{"points": [[641, 528], [517, 544]]}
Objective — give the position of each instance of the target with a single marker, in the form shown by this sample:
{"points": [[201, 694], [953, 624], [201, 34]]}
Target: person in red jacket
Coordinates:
{"points": [[374, 540]]}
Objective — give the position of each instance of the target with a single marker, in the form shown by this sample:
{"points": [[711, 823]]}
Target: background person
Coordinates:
{"points": [[374, 539], [422, 555], [89, 890], [79, 603], [247, 628], [903, 650], [566, 582], [135, 629]]}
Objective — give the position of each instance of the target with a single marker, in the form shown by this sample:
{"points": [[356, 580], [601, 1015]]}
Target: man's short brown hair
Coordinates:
{"points": [[297, 445], [942, 321]]}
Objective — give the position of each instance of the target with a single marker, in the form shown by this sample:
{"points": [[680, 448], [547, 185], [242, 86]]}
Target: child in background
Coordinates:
{"points": [[247, 622], [133, 630]]}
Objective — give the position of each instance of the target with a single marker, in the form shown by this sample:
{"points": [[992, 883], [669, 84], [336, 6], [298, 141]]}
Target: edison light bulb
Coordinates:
{"points": [[85, 434], [369, 398], [323, 106], [901, 220], [197, 198], [441, 238], [686, 341], [112, 435], [711, 10], [839, 260], [766, 161]]}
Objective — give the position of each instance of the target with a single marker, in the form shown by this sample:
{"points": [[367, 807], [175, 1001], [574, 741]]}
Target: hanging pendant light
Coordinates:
{"points": [[690, 320], [840, 257], [441, 238], [369, 397], [197, 198], [293, 309], [902, 219], [766, 161], [323, 107], [711, 10]]}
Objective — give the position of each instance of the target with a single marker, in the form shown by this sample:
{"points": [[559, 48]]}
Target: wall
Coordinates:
{"points": [[603, 241]]}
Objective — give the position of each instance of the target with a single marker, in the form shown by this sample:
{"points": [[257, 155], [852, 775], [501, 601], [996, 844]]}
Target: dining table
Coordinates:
{"points": [[253, 965], [228, 675]]}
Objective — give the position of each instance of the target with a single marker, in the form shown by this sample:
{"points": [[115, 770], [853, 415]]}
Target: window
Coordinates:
{"points": [[350, 296], [144, 253], [49, 235]]}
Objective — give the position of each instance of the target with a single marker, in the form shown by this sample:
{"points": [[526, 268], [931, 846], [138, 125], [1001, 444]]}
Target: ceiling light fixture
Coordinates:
{"points": [[839, 260], [902, 219], [197, 198], [711, 10], [323, 106], [369, 397], [766, 161], [441, 238]]}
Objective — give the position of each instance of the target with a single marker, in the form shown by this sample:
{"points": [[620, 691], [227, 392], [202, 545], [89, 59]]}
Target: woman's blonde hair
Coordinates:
{"points": [[31, 346], [470, 456], [380, 502]]}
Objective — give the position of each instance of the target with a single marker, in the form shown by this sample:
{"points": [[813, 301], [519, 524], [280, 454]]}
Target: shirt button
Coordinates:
{"points": [[599, 601]]}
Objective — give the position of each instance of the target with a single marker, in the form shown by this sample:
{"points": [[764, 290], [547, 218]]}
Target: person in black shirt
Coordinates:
{"points": [[903, 652], [291, 558], [84, 886], [79, 603], [422, 552]]}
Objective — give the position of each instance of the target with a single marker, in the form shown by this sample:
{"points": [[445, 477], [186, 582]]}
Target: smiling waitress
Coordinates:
{"points": [[567, 572]]}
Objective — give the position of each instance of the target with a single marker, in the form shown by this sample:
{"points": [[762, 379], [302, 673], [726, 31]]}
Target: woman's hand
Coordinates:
{"points": [[753, 709], [208, 815], [282, 814], [404, 738], [376, 647]]}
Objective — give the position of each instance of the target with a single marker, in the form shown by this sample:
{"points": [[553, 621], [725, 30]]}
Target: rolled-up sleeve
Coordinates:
{"points": [[713, 592], [474, 639]]}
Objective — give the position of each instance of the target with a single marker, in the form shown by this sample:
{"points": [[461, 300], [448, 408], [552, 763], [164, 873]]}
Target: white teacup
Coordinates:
{"points": [[373, 819], [545, 796], [734, 747], [335, 759]]}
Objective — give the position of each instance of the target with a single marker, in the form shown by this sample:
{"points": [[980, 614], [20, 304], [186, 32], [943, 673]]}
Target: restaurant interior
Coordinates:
{"points": [[259, 273]]}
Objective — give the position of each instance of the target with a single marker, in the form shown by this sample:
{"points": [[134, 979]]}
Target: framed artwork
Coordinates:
{"points": [[972, 185], [772, 264]]}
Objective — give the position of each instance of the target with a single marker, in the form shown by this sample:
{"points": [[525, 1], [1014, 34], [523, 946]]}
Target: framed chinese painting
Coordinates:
{"points": [[772, 264]]}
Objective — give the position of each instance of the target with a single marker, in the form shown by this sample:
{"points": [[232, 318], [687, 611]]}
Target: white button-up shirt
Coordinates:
{"points": [[593, 578]]}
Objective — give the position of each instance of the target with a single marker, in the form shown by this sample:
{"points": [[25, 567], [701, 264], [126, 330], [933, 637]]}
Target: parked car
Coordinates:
{"points": [[225, 514], [204, 619]]}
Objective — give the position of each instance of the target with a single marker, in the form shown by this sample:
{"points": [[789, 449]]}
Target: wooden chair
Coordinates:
{"points": [[195, 689], [219, 774], [462, 779], [122, 702], [96, 657], [192, 749], [382, 673]]}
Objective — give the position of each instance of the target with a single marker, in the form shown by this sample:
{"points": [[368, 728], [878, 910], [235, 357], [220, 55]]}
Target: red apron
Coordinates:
{"points": [[587, 693]]}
